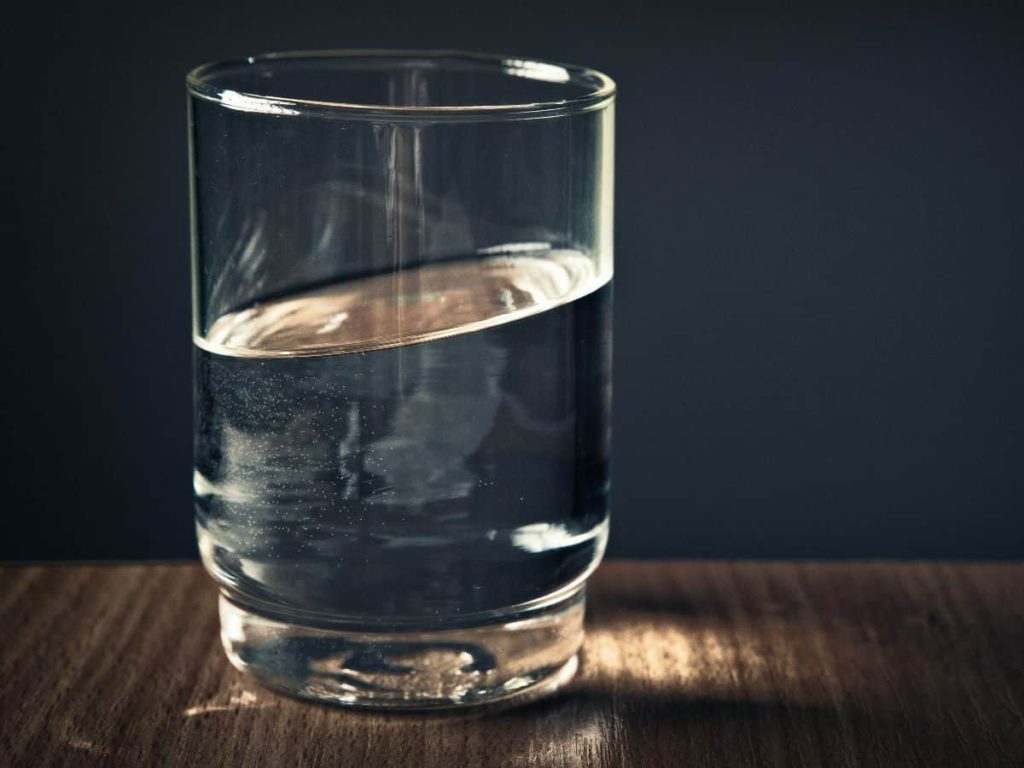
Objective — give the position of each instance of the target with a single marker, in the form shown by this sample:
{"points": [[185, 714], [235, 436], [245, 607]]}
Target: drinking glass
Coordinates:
{"points": [[401, 276]]}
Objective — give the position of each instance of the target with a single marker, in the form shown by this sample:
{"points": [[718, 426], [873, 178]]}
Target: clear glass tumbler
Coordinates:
{"points": [[401, 271]]}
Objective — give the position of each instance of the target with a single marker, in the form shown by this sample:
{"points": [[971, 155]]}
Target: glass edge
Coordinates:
{"points": [[595, 99]]}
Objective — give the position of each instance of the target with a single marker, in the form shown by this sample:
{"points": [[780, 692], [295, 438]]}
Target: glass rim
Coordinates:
{"points": [[600, 89]]}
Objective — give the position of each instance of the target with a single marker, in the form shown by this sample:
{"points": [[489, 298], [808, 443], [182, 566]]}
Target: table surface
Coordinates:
{"points": [[690, 664]]}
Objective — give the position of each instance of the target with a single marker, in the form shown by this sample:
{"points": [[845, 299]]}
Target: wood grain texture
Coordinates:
{"points": [[689, 664]]}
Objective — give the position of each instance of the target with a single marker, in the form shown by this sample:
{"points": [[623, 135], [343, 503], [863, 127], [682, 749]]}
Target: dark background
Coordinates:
{"points": [[819, 267]]}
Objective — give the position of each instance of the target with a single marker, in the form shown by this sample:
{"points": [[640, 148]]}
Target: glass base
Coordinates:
{"points": [[520, 658]]}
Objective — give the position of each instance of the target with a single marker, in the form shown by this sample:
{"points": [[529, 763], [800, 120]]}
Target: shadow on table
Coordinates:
{"points": [[674, 677]]}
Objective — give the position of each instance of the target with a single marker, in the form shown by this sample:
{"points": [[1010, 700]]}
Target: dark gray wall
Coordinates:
{"points": [[819, 275]]}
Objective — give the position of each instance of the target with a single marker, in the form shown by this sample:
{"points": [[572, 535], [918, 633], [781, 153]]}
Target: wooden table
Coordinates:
{"points": [[688, 664]]}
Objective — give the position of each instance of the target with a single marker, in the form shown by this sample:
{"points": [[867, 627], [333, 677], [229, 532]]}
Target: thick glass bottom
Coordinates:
{"points": [[514, 659]]}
